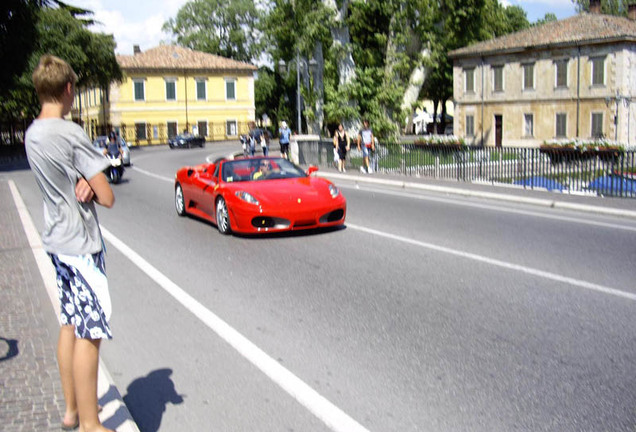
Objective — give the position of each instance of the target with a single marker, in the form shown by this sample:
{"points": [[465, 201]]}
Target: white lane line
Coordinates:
{"points": [[495, 208], [336, 419], [41, 257], [105, 383], [148, 173], [498, 263], [460, 203]]}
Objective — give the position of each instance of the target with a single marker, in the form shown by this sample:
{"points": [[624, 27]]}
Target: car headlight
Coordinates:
{"points": [[333, 191], [247, 197]]}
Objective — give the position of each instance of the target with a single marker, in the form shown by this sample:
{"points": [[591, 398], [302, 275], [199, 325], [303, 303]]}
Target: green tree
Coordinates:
{"points": [[460, 23], [58, 32], [609, 7], [548, 17], [226, 28]]}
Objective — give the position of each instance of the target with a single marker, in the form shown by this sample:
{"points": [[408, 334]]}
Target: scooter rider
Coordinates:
{"points": [[113, 147]]}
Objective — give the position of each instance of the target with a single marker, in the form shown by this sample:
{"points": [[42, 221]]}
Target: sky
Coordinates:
{"points": [[139, 22]]}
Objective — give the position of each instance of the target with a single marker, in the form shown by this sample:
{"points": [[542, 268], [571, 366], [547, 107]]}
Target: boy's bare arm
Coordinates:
{"points": [[103, 193], [83, 191]]}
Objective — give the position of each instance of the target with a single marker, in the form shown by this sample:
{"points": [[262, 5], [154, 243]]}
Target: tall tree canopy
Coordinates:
{"points": [[609, 7], [221, 27], [61, 31]]}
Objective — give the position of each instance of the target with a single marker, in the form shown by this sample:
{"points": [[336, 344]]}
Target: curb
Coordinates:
{"points": [[115, 414], [610, 211]]}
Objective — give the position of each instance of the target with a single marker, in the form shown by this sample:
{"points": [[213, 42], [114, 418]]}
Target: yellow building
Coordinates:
{"points": [[573, 78], [169, 89]]}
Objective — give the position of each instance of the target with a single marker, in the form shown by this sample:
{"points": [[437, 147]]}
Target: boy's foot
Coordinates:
{"points": [[362, 170]]}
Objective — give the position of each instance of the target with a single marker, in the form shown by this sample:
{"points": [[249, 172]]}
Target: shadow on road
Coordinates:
{"points": [[147, 398], [12, 349]]}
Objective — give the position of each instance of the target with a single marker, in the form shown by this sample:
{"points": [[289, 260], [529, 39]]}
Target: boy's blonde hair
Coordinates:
{"points": [[51, 76]]}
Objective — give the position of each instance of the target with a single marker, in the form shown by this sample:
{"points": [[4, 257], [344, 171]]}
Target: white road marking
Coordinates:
{"points": [[336, 419], [105, 384], [148, 173], [495, 208], [462, 203], [511, 266], [528, 270]]}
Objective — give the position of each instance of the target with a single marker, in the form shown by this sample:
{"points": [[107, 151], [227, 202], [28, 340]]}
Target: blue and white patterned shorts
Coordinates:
{"points": [[83, 292]]}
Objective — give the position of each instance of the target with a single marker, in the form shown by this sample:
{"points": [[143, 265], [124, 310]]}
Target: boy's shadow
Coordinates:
{"points": [[147, 397]]}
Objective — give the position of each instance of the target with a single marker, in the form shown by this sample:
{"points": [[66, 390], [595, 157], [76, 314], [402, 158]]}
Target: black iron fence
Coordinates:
{"points": [[601, 171]]}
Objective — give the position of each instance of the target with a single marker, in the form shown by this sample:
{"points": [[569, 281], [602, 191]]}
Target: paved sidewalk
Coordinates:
{"points": [[31, 396], [609, 206]]}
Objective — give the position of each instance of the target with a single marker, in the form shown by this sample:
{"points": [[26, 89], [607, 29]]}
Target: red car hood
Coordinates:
{"points": [[309, 190]]}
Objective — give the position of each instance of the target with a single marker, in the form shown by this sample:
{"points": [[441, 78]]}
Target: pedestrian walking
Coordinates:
{"points": [[285, 134], [68, 170], [265, 142], [366, 143], [341, 145], [256, 135]]}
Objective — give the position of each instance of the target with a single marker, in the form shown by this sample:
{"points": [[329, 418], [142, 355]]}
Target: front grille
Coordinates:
{"points": [[304, 223]]}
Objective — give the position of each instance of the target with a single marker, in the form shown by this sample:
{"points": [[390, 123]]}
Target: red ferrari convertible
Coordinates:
{"points": [[258, 195]]}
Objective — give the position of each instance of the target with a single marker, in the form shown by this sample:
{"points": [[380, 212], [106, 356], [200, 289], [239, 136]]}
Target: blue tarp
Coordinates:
{"points": [[613, 185], [542, 182]]}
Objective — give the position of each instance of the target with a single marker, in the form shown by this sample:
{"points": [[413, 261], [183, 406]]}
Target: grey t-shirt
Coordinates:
{"points": [[60, 153]]}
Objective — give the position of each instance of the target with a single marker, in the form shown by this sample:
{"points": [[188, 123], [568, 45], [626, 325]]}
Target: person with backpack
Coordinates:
{"points": [[285, 134], [366, 143]]}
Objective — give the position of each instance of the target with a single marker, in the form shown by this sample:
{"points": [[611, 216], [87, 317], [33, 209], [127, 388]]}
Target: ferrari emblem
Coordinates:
{"points": [[299, 200]]}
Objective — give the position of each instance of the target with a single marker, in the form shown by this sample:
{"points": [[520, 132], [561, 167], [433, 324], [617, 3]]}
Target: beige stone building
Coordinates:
{"points": [[574, 78]]}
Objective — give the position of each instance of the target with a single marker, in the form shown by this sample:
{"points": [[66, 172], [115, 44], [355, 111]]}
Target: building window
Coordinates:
{"points": [[172, 129], [140, 131], [597, 125], [528, 125], [561, 125], [139, 89], [598, 71], [528, 76], [561, 73], [203, 128], [497, 75], [470, 125], [201, 90], [230, 128], [469, 80], [230, 89], [171, 89]]}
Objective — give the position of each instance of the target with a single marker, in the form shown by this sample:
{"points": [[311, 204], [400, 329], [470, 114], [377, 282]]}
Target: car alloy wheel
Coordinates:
{"points": [[179, 202], [222, 217]]}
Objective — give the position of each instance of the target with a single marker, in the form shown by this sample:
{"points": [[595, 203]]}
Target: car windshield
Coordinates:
{"points": [[259, 169]]}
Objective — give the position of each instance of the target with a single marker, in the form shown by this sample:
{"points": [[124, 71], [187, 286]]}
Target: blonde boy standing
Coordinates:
{"points": [[68, 170]]}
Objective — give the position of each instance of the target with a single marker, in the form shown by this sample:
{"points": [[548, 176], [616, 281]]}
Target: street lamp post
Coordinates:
{"points": [[282, 68]]}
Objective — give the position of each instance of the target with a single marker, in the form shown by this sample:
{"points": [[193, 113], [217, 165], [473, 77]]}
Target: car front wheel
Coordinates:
{"points": [[179, 202], [222, 217]]}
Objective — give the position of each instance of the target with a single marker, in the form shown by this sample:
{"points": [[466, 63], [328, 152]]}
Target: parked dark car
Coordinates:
{"points": [[186, 140]]}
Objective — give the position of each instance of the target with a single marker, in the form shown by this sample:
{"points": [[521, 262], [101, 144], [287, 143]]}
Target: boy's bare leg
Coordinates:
{"points": [[85, 365], [65, 350]]}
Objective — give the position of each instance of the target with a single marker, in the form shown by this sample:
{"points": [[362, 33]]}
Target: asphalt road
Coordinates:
{"points": [[425, 313]]}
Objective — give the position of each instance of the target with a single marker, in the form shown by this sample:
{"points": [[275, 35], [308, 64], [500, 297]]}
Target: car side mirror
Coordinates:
{"points": [[312, 169], [190, 171]]}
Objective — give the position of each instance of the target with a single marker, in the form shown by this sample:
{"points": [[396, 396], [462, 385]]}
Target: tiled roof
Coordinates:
{"points": [[585, 28], [171, 57]]}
